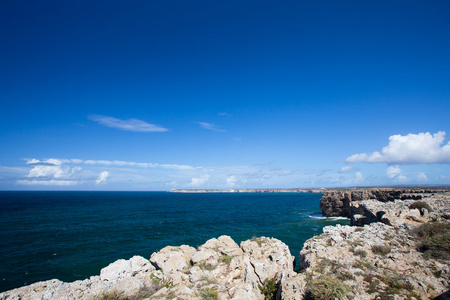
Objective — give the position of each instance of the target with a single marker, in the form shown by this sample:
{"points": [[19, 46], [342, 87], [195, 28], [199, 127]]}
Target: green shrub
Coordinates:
{"points": [[143, 293], [205, 266], [361, 264], [270, 288], [209, 294], [327, 287], [419, 205], [159, 283], [434, 240], [258, 240], [345, 275], [361, 253], [381, 249], [226, 259], [328, 265], [392, 286], [112, 295]]}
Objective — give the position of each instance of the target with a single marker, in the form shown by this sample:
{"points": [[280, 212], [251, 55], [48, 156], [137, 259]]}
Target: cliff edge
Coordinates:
{"points": [[337, 203], [399, 249]]}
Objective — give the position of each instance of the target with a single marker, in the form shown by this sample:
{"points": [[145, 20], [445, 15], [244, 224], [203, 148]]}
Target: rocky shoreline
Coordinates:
{"points": [[397, 249]]}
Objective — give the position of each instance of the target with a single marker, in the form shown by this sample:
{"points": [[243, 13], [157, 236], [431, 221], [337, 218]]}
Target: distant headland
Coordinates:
{"points": [[317, 190]]}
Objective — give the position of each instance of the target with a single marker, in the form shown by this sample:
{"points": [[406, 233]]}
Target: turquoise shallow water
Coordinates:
{"points": [[72, 235]]}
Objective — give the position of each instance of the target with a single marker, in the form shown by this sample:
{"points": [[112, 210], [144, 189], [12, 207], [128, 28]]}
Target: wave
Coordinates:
{"points": [[322, 217]]}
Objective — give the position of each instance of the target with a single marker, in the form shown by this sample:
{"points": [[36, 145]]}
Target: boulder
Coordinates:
{"points": [[171, 259], [121, 268]]}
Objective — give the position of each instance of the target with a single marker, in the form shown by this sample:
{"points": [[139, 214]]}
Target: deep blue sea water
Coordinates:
{"points": [[72, 235]]}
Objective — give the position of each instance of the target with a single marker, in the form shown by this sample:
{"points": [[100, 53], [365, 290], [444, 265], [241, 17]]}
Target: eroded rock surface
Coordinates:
{"points": [[382, 259], [220, 267], [337, 203]]}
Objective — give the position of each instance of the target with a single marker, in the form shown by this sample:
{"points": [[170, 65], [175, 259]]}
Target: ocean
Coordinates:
{"points": [[73, 235]]}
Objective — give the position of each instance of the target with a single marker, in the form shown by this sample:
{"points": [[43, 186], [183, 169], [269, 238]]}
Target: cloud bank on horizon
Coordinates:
{"points": [[421, 148]]}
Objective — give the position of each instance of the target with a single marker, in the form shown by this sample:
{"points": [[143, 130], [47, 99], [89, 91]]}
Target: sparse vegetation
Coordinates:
{"points": [[258, 240], [205, 266], [143, 293], [209, 294], [419, 205], [329, 265], [209, 280], [360, 252], [327, 287], [159, 283], [270, 288], [434, 240], [361, 264], [381, 249], [111, 295], [226, 259], [356, 243], [392, 286], [344, 275]]}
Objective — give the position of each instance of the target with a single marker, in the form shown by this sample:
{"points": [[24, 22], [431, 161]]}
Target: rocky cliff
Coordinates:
{"points": [[219, 269], [337, 203], [399, 250]]}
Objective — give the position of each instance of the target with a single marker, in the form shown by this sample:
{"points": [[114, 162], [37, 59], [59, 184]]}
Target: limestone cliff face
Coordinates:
{"points": [[337, 203], [385, 258], [219, 269]]}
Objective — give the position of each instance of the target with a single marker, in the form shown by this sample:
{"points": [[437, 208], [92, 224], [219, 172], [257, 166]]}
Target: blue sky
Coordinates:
{"points": [[155, 95]]}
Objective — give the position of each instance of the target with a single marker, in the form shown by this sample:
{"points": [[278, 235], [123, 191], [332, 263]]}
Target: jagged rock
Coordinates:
{"points": [[293, 287], [393, 213], [337, 203], [130, 286], [268, 256], [43, 290], [234, 272], [125, 268], [171, 259], [380, 259]]}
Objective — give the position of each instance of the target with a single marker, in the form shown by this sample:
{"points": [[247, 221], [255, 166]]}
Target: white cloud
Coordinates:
{"points": [[46, 171], [224, 114], [48, 182], [50, 168], [127, 164], [102, 177], [422, 148], [231, 180], [346, 179], [127, 125], [48, 162], [348, 169], [198, 181], [421, 177], [359, 177], [210, 126], [49, 172], [395, 173]]}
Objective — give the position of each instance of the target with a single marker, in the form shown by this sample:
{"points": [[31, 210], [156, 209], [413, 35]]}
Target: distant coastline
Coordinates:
{"points": [[246, 190]]}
